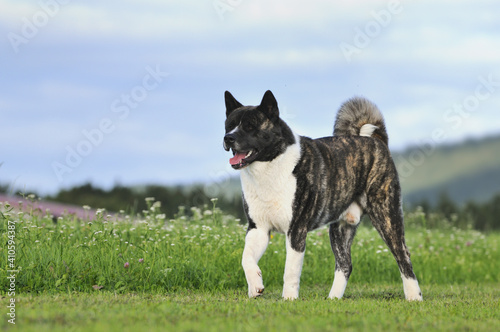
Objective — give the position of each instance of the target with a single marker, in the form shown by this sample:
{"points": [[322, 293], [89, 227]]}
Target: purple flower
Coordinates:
{"points": [[126, 265], [141, 260], [468, 244]]}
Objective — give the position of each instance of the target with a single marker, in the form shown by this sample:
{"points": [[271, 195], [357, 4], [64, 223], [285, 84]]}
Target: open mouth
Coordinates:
{"points": [[242, 159]]}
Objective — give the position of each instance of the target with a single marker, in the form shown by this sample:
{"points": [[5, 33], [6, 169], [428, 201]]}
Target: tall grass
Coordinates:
{"points": [[148, 253]]}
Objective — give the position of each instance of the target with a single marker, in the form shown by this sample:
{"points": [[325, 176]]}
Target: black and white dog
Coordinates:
{"points": [[294, 184]]}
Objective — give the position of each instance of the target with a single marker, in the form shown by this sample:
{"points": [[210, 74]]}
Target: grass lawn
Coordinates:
{"points": [[365, 307], [146, 273]]}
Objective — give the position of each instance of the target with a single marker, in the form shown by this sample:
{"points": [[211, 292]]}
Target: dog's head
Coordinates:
{"points": [[254, 133]]}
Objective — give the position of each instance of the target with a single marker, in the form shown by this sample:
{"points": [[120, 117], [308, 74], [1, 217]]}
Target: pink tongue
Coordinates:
{"points": [[236, 160]]}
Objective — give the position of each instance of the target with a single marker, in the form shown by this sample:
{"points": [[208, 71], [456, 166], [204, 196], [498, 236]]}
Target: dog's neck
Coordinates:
{"points": [[267, 174]]}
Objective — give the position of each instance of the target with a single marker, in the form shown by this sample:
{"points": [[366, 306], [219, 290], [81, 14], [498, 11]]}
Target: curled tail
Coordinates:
{"points": [[360, 117]]}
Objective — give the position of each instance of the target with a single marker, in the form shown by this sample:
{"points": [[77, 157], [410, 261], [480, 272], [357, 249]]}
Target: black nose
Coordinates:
{"points": [[229, 139]]}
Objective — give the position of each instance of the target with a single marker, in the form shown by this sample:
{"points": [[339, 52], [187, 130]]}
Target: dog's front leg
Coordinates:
{"points": [[293, 269], [256, 242]]}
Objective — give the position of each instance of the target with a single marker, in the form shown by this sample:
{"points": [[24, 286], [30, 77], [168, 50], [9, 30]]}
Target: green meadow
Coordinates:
{"points": [[148, 272]]}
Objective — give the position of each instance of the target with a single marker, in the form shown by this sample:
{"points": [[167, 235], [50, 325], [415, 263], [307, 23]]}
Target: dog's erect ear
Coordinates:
{"points": [[269, 105], [231, 103]]}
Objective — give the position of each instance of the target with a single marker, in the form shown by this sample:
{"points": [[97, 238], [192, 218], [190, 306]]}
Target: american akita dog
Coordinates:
{"points": [[294, 184]]}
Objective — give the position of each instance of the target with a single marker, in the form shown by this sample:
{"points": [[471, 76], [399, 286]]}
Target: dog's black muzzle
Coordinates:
{"points": [[229, 140]]}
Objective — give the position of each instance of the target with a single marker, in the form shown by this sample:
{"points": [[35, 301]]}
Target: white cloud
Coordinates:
{"points": [[119, 19]]}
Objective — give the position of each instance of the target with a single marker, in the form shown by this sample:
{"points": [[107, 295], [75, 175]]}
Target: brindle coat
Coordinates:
{"points": [[295, 184]]}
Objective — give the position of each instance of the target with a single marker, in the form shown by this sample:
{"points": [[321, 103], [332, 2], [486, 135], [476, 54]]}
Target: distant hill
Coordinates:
{"points": [[468, 171]]}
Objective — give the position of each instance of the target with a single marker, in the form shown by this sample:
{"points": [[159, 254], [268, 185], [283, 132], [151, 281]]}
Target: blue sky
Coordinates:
{"points": [[131, 92]]}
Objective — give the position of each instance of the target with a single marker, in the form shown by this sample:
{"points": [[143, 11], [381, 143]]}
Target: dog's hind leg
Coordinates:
{"points": [[387, 218], [341, 236], [256, 242]]}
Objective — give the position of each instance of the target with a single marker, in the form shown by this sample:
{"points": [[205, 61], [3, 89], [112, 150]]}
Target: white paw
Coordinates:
{"points": [[339, 285], [415, 297], [255, 291], [333, 295], [411, 289], [290, 293], [255, 284]]}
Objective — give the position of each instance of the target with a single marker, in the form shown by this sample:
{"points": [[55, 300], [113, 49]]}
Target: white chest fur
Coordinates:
{"points": [[269, 190]]}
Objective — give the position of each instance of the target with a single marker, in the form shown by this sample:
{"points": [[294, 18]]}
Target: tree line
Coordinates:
{"points": [[481, 216], [132, 200]]}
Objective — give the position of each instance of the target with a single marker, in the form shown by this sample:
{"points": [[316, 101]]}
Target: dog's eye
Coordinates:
{"points": [[248, 126]]}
